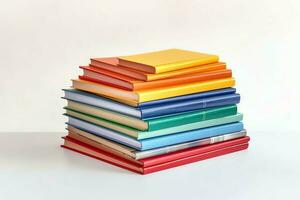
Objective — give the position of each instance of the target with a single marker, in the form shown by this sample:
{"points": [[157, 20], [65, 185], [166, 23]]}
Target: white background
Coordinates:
{"points": [[42, 43]]}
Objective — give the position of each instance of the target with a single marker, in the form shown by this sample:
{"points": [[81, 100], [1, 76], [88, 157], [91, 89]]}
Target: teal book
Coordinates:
{"points": [[152, 124], [139, 135]]}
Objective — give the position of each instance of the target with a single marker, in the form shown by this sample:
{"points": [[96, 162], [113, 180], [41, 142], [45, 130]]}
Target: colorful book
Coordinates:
{"points": [[200, 95], [155, 142], [152, 94], [132, 154], [127, 83], [156, 123], [162, 107], [111, 65], [166, 60], [140, 135], [162, 162]]}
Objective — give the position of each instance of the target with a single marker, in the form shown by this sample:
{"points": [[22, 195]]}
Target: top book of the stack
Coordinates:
{"points": [[161, 61]]}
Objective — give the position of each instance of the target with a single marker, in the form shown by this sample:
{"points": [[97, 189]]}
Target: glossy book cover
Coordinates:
{"points": [[127, 83], [161, 162], [155, 123], [166, 60], [133, 154], [155, 142], [139, 96], [162, 107], [139, 135], [111, 66]]}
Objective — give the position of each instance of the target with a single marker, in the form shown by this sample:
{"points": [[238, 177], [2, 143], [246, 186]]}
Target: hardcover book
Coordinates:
{"points": [[111, 65], [154, 123], [139, 135], [155, 142], [161, 162], [132, 154], [127, 83], [162, 107], [166, 60], [152, 94], [200, 95]]}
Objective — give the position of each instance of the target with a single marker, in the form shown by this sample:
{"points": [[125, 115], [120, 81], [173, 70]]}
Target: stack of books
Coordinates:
{"points": [[154, 111]]}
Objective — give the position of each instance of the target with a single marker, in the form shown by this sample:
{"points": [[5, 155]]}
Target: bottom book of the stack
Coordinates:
{"points": [[149, 161]]}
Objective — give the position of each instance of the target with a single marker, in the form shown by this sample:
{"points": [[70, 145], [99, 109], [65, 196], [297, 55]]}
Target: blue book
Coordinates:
{"points": [[155, 142], [162, 107]]}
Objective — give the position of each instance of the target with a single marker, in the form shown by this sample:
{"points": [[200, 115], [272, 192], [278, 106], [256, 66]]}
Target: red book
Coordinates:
{"points": [[161, 162], [128, 83]]}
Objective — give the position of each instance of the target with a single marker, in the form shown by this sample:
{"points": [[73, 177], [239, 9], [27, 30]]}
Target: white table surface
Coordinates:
{"points": [[33, 166]]}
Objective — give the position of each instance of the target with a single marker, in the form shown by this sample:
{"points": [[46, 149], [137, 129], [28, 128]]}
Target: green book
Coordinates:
{"points": [[137, 134], [153, 124]]}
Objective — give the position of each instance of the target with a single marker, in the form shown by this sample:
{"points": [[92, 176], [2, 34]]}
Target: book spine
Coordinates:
{"points": [[150, 95], [127, 86], [104, 90], [190, 117], [182, 80], [185, 106], [105, 103], [104, 132], [187, 145], [185, 64], [192, 159], [189, 127], [190, 97], [190, 136], [147, 162]]}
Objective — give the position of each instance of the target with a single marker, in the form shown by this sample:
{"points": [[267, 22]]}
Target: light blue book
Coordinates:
{"points": [[155, 142]]}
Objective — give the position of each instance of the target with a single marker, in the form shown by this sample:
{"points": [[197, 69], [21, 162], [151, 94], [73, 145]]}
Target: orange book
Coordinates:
{"points": [[128, 83], [111, 64]]}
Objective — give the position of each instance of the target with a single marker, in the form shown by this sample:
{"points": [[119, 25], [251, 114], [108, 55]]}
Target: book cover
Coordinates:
{"points": [[189, 105], [156, 123], [148, 162], [155, 142], [130, 153], [139, 135], [195, 158], [166, 60], [109, 115], [152, 94], [200, 95], [110, 65], [164, 107], [162, 162], [127, 83], [100, 101]]}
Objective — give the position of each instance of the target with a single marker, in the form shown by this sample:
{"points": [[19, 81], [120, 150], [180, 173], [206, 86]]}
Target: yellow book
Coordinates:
{"points": [[151, 94], [166, 60]]}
